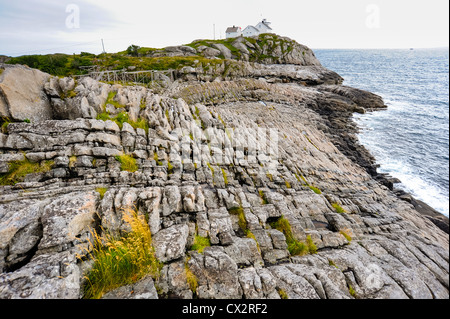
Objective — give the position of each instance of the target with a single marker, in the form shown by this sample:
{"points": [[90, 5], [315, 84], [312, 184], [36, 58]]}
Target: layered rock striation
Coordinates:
{"points": [[227, 158]]}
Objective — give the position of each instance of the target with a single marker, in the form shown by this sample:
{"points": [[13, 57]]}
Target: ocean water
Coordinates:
{"points": [[410, 140]]}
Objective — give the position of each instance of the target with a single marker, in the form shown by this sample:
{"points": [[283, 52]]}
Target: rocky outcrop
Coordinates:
{"points": [[229, 161], [264, 49], [21, 94]]}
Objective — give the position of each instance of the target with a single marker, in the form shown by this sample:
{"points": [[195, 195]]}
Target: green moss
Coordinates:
{"points": [[225, 177], [288, 185], [156, 158], [352, 291], [315, 189], [127, 163], [19, 169], [338, 208], [200, 243], [211, 168], [346, 235], [169, 168]]}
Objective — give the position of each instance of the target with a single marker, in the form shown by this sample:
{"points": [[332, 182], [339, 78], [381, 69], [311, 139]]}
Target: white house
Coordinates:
{"points": [[233, 32], [264, 27], [250, 31]]}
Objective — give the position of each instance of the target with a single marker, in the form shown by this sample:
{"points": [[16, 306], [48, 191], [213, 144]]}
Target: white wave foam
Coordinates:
{"points": [[416, 185]]}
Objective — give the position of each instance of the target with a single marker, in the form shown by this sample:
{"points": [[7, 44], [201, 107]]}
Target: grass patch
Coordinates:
{"points": [[121, 261], [243, 224], [315, 189], [225, 177], [101, 191], [242, 221], [19, 169], [282, 293], [331, 263], [5, 122], [312, 248], [110, 100], [338, 208], [191, 278], [352, 291], [263, 197], [72, 161], [295, 247], [346, 234], [169, 168], [156, 158], [140, 123], [127, 163], [200, 243]]}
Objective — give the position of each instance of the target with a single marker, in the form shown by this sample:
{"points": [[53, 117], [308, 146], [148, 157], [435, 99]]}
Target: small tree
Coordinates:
{"points": [[133, 50]]}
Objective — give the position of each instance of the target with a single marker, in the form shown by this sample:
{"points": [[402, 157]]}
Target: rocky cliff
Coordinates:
{"points": [[258, 158]]}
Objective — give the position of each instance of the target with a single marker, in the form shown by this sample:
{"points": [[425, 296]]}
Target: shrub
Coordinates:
{"points": [[19, 169], [121, 261], [127, 163]]}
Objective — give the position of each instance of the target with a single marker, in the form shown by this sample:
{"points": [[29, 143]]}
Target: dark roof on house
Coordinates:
{"points": [[268, 26], [250, 27], [232, 29]]}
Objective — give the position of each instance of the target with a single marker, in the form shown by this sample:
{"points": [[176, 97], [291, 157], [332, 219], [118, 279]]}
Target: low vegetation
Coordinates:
{"points": [[200, 243], [243, 224], [190, 278], [295, 247], [120, 261], [338, 208], [19, 169], [261, 49], [101, 191], [127, 163], [346, 234], [282, 293]]}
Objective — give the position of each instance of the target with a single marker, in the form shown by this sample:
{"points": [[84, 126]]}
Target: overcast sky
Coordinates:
{"points": [[71, 26]]}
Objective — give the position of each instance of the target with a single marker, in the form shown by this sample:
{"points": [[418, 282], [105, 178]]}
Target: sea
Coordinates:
{"points": [[410, 139]]}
